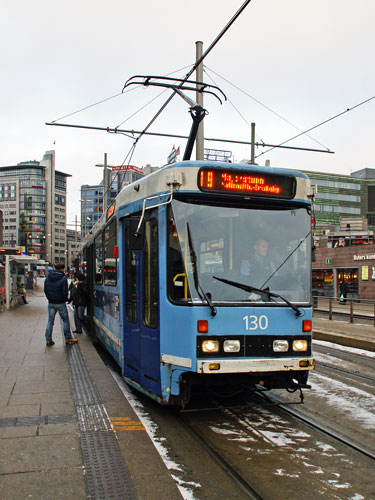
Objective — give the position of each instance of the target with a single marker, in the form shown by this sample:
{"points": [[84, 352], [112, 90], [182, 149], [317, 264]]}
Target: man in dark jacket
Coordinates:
{"points": [[80, 295], [56, 291]]}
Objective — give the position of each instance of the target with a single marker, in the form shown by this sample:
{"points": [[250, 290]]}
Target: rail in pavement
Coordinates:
{"points": [[51, 429]]}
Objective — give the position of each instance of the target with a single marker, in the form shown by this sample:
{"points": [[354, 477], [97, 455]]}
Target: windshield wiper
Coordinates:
{"points": [[287, 258], [264, 293], [193, 257]]}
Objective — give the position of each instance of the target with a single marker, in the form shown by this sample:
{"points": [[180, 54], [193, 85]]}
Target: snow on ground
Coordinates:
{"points": [[354, 403], [353, 350], [176, 470]]}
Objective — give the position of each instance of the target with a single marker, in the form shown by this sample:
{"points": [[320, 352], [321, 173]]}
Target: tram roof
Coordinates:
{"points": [[185, 172]]}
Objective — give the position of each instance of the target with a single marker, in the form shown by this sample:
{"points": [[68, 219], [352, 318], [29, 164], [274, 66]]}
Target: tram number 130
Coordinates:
{"points": [[256, 322]]}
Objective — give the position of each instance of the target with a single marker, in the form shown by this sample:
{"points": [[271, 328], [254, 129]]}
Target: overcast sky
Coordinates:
{"points": [[305, 60]]}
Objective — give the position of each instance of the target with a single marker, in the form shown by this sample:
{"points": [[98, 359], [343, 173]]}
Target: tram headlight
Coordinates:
{"points": [[300, 345], [232, 346], [210, 346], [280, 346]]}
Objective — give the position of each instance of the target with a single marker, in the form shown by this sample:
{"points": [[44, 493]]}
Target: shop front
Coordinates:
{"points": [[353, 265]]}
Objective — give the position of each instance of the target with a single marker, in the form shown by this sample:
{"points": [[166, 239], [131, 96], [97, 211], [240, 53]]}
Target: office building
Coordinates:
{"points": [[92, 196], [33, 201]]}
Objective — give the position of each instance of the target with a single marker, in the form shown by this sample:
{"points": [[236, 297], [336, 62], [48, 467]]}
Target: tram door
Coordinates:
{"points": [[141, 314]]}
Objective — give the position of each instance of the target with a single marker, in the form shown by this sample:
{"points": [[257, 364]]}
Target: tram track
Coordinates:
{"points": [[239, 481], [323, 429], [213, 427], [264, 418], [346, 372], [327, 350]]}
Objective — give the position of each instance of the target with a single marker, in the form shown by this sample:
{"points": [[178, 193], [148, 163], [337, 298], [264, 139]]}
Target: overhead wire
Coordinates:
{"points": [[318, 125], [194, 67], [265, 107], [109, 98], [230, 102]]}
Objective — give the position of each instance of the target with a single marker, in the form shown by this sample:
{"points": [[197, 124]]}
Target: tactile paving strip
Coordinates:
{"points": [[107, 475], [84, 390], [93, 418]]}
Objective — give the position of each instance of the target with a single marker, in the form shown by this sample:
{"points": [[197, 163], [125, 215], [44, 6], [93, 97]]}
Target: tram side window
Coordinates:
{"points": [[130, 280], [178, 289], [99, 260], [110, 255], [150, 275]]}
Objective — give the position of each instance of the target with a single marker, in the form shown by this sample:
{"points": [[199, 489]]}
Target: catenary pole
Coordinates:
{"points": [[199, 144]]}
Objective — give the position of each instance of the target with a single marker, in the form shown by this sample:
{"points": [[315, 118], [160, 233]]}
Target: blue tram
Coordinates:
{"points": [[201, 276]]}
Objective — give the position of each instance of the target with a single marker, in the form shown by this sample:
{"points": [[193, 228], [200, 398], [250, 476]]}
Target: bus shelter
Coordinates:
{"points": [[19, 265]]}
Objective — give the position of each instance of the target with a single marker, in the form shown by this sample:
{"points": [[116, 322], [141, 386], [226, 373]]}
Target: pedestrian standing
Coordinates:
{"points": [[21, 289], [80, 296], [56, 291], [343, 291]]}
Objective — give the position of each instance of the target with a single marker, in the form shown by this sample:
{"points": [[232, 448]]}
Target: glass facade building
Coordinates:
{"points": [[33, 201], [92, 196]]}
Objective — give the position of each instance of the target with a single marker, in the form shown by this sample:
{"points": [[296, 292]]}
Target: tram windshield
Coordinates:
{"points": [[261, 248]]}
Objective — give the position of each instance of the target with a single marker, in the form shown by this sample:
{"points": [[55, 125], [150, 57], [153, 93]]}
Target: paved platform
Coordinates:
{"points": [[66, 429], [344, 333]]}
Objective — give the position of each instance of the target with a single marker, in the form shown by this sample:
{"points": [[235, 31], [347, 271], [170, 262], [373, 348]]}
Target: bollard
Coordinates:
{"points": [[351, 311], [330, 308]]}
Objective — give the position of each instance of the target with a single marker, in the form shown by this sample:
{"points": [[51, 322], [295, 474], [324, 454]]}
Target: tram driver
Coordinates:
{"points": [[259, 266]]}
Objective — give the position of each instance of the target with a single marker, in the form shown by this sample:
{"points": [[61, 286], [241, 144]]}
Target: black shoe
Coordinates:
{"points": [[50, 342], [77, 331]]}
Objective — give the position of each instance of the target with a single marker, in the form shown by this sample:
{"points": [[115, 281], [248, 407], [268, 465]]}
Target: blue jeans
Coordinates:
{"points": [[63, 312], [79, 316]]}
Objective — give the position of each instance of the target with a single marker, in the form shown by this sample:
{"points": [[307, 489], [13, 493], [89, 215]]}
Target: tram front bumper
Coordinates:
{"points": [[215, 366]]}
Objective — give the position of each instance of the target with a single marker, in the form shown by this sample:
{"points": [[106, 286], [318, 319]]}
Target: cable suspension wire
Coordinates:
{"points": [[188, 74], [111, 97], [152, 100], [87, 107], [266, 107], [230, 102], [141, 108], [195, 65], [319, 125]]}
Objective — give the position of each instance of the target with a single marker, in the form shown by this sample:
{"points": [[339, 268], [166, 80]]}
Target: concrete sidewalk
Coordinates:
{"points": [[51, 444], [344, 333]]}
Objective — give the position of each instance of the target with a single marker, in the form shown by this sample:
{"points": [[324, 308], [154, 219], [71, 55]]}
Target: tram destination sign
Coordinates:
{"points": [[257, 183]]}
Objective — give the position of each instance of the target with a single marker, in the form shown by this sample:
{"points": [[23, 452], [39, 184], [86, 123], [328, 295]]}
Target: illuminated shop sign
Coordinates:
{"points": [[231, 181], [367, 256]]}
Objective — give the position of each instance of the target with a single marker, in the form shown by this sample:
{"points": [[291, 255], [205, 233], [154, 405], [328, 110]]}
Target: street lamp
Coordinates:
{"points": [[105, 182], [84, 217]]}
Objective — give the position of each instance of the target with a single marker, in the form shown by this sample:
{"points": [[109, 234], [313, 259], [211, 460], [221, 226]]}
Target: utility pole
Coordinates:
{"points": [[252, 161], [105, 185], [199, 144]]}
